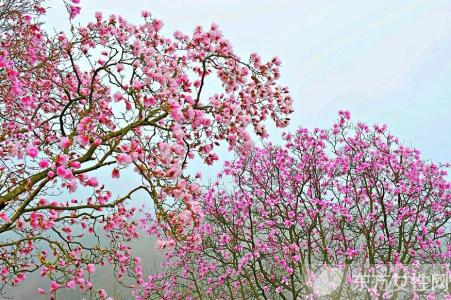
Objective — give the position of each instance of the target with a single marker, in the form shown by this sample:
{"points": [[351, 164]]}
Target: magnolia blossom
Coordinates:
{"points": [[124, 159], [32, 151], [65, 143], [44, 163], [91, 268]]}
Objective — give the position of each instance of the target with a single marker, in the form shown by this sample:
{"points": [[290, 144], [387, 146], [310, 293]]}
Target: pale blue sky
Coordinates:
{"points": [[385, 61]]}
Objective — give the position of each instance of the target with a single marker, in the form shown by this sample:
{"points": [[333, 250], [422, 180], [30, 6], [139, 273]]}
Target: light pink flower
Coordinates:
{"points": [[91, 268], [124, 159], [71, 284]]}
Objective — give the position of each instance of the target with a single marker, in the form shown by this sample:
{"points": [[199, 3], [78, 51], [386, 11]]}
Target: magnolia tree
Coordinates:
{"points": [[350, 198], [112, 95]]}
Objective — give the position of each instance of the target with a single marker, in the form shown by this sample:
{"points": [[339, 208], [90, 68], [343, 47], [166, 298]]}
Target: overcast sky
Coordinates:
{"points": [[385, 61]]}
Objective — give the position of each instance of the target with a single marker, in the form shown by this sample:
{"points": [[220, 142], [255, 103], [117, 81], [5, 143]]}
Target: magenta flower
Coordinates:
{"points": [[32, 151]]}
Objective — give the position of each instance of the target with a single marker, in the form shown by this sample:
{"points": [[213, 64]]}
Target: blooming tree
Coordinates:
{"points": [[110, 96], [350, 196]]}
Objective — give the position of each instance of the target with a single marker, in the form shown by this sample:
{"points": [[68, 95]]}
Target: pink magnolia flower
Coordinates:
{"points": [[54, 286], [20, 224], [4, 217], [83, 140], [92, 182], [91, 268], [72, 187], [75, 164], [44, 163], [117, 97], [137, 85], [71, 284], [18, 279], [178, 132], [149, 101], [98, 15], [65, 143], [62, 171], [115, 173], [32, 151], [61, 159], [74, 11], [124, 159], [102, 293], [28, 101]]}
